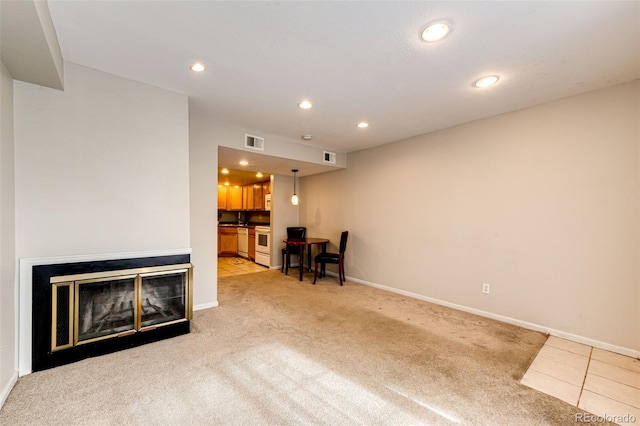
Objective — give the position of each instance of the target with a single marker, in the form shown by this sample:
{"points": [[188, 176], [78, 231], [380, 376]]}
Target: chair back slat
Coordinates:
{"points": [[296, 232], [343, 241]]}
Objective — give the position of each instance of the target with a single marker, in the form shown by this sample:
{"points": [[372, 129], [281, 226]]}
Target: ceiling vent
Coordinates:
{"points": [[329, 157], [254, 142]]}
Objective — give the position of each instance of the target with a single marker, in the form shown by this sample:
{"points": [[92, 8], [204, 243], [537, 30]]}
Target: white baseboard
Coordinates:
{"points": [[524, 324], [202, 306], [6, 390]]}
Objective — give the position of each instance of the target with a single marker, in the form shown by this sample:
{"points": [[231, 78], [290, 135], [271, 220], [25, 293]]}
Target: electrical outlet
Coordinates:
{"points": [[486, 288]]}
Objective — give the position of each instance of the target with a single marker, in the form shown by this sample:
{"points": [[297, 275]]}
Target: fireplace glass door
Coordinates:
{"points": [[163, 298], [97, 306], [105, 307]]}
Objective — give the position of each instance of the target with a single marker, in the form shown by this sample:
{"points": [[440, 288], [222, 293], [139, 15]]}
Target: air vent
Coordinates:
{"points": [[329, 157], [254, 142]]}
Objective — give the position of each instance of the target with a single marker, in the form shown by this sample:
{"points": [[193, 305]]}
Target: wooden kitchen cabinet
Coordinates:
{"points": [[258, 197], [228, 240], [222, 197], [253, 196], [252, 244], [234, 198], [246, 197]]}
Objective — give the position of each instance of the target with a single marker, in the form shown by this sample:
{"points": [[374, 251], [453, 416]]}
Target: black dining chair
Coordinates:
{"points": [[288, 249], [335, 258]]}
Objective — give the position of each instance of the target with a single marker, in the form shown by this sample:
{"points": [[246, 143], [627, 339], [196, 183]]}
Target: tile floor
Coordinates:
{"points": [[600, 382], [229, 266]]}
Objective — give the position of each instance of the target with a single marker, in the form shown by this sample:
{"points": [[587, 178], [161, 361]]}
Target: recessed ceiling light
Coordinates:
{"points": [[226, 184], [487, 81], [197, 67], [307, 137], [305, 105], [259, 174], [435, 32], [224, 171], [363, 125], [244, 162]]}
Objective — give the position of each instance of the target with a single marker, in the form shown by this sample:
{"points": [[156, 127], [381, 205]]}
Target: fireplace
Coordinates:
{"points": [[92, 308]]}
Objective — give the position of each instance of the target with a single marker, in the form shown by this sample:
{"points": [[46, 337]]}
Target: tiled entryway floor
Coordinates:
{"points": [[600, 382], [229, 266]]}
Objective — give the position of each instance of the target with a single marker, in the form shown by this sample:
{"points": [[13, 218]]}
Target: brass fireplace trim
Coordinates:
{"points": [[54, 316], [74, 282], [109, 274]]}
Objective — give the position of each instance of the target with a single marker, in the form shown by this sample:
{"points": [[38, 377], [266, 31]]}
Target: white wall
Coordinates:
{"points": [[8, 288], [543, 204], [102, 167], [101, 172], [203, 171], [283, 215]]}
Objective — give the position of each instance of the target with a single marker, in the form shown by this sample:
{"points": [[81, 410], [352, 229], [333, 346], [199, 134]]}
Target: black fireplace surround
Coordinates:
{"points": [[43, 357]]}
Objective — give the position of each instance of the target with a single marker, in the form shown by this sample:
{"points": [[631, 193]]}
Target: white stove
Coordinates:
{"points": [[263, 245]]}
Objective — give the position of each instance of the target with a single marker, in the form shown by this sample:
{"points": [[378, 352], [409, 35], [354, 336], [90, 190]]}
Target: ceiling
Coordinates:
{"points": [[245, 174], [240, 177], [354, 60]]}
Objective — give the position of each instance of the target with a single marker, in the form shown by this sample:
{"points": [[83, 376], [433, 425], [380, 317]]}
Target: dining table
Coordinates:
{"points": [[302, 244]]}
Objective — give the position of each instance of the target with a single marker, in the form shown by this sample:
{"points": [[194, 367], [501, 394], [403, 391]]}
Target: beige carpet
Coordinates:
{"points": [[282, 352]]}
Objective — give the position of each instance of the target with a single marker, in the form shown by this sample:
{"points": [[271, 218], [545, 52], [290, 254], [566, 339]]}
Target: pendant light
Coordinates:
{"points": [[294, 197]]}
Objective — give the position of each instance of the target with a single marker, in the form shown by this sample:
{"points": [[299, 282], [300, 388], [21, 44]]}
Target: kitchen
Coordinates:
{"points": [[244, 218], [255, 191]]}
